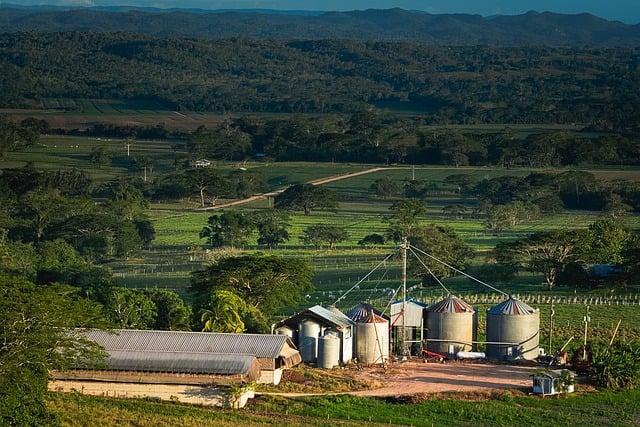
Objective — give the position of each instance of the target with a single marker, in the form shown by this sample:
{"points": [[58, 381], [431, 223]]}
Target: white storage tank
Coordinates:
{"points": [[285, 330], [308, 335], [513, 331], [451, 327], [328, 351]]}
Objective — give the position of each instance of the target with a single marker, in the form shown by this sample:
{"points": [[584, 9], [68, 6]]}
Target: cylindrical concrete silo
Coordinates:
{"points": [[328, 351], [308, 334], [372, 339], [513, 331], [451, 326]]}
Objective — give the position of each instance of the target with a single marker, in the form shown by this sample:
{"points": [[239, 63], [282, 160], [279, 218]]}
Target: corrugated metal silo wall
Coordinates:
{"points": [[372, 342], [452, 332], [521, 333]]}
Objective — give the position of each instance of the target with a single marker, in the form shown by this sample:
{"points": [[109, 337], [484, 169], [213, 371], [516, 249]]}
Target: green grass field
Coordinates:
{"points": [[499, 409]]}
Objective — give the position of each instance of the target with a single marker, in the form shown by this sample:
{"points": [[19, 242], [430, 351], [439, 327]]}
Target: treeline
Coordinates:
{"points": [[594, 87], [370, 136]]}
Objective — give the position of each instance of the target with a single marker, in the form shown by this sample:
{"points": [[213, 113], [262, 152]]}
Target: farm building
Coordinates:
{"points": [[314, 331], [192, 357], [414, 321], [553, 382]]}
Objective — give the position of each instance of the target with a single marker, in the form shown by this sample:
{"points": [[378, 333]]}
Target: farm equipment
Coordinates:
{"points": [[432, 356]]}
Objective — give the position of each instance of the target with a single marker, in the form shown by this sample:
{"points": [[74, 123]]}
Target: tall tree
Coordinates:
{"points": [[208, 184], [544, 252], [405, 218], [306, 197], [272, 227], [266, 283], [443, 243], [319, 234], [231, 228], [37, 334]]}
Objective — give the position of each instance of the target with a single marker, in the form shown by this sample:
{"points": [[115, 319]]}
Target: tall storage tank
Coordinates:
{"points": [[328, 351], [372, 334], [451, 326], [513, 331], [308, 334], [372, 339]]}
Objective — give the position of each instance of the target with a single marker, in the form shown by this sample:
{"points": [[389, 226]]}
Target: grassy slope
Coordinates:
{"points": [[499, 409]]}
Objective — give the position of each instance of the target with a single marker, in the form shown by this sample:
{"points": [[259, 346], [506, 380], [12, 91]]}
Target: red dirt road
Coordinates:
{"points": [[415, 377]]}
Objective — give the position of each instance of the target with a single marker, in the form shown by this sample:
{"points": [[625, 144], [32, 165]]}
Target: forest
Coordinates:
{"points": [[589, 87]]}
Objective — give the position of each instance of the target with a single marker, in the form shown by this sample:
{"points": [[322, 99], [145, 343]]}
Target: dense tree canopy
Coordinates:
{"points": [[448, 84], [37, 335], [306, 197], [265, 283]]}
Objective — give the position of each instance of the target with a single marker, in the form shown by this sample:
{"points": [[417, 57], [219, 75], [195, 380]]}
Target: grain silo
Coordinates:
{"points": [[309, 332], [328, 351], [513, 331], [372, 334], [451, 327]]}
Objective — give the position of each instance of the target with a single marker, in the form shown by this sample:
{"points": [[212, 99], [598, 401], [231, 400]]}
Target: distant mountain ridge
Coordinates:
{"points": [[531, 28]]}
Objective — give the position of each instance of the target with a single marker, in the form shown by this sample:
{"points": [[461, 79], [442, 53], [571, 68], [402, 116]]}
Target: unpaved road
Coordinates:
{"points": [[416, 377], [319, 181]]}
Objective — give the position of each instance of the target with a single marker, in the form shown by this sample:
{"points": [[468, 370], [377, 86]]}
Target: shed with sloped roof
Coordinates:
{"points": [[318, 321]]}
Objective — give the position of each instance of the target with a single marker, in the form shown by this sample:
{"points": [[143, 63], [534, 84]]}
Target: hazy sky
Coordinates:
{"points": [[623, 10]]}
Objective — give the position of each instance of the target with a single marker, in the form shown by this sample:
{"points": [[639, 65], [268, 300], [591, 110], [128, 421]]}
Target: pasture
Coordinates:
{"points": [[343, 275]]}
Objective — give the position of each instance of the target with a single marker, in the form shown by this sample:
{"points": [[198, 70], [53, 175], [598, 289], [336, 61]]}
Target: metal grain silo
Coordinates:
{"points": [[308, 334], [372, 334], [372, 339], [451, 326], [513, 331], [328, 351]]}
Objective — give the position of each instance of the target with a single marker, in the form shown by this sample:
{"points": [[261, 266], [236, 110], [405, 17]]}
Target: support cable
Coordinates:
{"points": [[430, 271], [367, 275], [459, 271]]}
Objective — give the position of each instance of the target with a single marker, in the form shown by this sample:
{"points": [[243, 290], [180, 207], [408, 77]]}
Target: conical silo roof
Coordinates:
{"points": [[451, 304], [512, 306], [360, 311]]}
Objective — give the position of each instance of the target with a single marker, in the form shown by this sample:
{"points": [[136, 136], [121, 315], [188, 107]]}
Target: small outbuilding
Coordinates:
{"points": [[414, 321], [551, 382]]}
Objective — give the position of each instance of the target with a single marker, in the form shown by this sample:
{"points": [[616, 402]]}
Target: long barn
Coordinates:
{"points": [[144, 359]]}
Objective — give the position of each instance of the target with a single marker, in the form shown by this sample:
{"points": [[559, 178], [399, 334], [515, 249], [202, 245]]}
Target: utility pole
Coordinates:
{"points": [[403, 337]]}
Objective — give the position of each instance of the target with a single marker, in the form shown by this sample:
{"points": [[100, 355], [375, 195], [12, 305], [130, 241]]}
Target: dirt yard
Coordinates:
{"points": [[417, 377]]}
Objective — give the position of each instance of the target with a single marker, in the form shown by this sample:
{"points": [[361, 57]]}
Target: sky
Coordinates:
{"points": [[627, 11]]}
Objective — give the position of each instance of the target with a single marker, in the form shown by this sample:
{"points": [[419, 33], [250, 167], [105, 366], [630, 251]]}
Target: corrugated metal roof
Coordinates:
{"points": [[451, 304], [362, 311], [197, 363], [340, 319], [259, 345], [512, 306], [319, 313]]}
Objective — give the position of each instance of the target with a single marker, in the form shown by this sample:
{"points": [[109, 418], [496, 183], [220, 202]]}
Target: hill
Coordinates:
{"points": [[532, 28]]}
